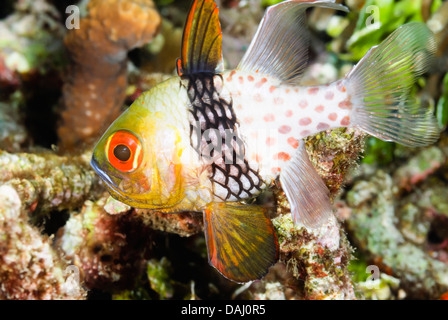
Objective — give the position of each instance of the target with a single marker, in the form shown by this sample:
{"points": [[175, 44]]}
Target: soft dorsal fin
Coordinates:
{"points": [[201, 40], [308, 196], [280, 46]]}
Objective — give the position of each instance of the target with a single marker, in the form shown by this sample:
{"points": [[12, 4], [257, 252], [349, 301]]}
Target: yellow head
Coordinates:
{"points": [[139, 156]]}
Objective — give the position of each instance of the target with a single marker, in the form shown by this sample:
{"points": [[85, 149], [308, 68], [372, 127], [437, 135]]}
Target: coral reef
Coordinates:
{"points": [[47, 182], [314, 264], [29, 266], [31, 41], [109, 249], [63, 237], [13, 133], [398, 220], [96, 80]]}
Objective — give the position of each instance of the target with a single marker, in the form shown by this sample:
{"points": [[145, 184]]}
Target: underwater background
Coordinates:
{"points": [[68, 69]]}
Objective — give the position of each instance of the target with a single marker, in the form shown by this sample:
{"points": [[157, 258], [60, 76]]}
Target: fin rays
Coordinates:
{"points": [[241, 241], [280, 46], [307, 194], [201, 40], [380, 84]]}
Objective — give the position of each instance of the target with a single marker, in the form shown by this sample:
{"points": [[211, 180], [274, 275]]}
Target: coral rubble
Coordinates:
{"points": [[47, 182], [398, 220], [29, 266]]}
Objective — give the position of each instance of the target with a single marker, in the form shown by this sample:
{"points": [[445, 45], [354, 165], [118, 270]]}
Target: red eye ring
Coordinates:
{"points": [[124, 151]]}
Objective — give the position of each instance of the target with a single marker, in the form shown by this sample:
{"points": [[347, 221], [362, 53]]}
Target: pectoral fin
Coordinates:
{"points": [[241, 241], [201, 40], [307, 194]]}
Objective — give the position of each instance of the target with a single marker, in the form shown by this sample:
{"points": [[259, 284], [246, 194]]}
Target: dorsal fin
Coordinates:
{"points": [[201, 40], [280, 46]]}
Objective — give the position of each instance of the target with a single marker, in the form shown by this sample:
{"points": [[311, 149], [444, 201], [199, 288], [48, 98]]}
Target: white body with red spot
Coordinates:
{"points": [[274, 117]]}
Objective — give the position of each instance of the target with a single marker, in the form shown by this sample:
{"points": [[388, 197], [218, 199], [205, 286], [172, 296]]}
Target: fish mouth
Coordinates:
{"points": [[110, 183]]}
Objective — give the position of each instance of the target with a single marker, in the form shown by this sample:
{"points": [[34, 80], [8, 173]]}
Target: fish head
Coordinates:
{"points": [[138, 158]]}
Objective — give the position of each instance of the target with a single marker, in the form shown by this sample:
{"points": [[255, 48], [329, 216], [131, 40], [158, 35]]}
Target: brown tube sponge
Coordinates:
{"points": [[95, 84]]}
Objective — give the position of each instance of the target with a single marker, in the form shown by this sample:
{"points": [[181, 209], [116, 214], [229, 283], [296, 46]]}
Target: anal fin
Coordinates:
{"points": [[307, 194], [241, 241]]}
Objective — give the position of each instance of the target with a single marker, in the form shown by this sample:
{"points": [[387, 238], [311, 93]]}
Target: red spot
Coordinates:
{"points": [[261, 82], [276, 170], [287, 91], [296, 90], [272, 89], [313, 91], [256, 157], [333, 116], [329, 95], [305, 121], [322, 126], [229, 78], [278, 100], [270, 141], [345, 121], [293, 142], [305, 133], [250, 78], [269, 117], [284, 129], [239, 107], [258, 98], [340, 86], [346, 104], [303, 104], [248, 120], [241, 79], [319, 108], [282, 156], [288, 113]]}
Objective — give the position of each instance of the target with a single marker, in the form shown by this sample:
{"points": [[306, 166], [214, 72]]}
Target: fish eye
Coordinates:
{"points": [[124, 151]]}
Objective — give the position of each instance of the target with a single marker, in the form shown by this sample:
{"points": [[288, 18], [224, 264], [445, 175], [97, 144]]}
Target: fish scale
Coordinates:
{"points": [[284, 114]]}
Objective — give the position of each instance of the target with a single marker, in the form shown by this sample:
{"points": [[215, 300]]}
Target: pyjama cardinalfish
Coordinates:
{"points": [[209, 140]]}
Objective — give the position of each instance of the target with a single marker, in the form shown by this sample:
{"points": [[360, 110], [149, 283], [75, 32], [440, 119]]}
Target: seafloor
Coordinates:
{"points": [[62, 237]]}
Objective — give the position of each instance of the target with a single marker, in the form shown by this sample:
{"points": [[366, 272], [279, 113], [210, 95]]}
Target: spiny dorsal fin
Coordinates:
{"points": [[280, 46], [241, 240], [308, 196], [201, 40]]}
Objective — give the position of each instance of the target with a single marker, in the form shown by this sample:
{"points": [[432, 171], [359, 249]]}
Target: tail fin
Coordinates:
{"points": [[379, 87]]}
